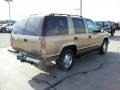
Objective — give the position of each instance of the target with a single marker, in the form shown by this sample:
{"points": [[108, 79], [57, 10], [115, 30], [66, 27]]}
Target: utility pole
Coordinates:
{"points": [[80, 7], [9, 10], [77, 10]]}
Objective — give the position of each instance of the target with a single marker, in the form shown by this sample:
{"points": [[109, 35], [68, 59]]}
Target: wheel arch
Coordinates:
{"points": [[73, 47], [106, 39]]}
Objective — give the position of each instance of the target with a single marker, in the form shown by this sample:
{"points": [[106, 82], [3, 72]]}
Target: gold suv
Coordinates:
{"points": [[57, 37]]}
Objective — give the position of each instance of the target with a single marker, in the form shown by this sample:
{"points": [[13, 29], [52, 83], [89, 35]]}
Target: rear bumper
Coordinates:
{"points": [[25, 57]]}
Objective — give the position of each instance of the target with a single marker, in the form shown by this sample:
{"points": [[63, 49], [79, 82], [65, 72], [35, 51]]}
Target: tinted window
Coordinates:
{"points": [[34, 26], [91, 26], [79, 25], [56, 26], [106, 24], [19, 26]]}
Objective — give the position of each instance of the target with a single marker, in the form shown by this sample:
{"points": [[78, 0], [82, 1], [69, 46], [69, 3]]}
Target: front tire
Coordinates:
{"points": [[66, 60], [104, 47]]}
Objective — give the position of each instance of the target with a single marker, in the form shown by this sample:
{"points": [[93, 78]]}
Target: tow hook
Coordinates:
{"points": [[21, 57]]}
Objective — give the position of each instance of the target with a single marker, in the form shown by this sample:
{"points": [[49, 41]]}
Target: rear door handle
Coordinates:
{"points": [[75, 38], [25, 40]]}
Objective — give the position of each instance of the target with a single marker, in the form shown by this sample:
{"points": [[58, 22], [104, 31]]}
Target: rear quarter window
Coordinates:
{"points": [[34, 26], [19, 26]]}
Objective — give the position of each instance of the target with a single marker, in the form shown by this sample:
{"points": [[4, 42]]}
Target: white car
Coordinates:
{"points": [[9, 28]]}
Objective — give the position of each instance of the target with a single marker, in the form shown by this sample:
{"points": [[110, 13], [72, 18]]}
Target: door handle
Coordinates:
{"points": [[90, 36], [25, 40], [75, 38]]}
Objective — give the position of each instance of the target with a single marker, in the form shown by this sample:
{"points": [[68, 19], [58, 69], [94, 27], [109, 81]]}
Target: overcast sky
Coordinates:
{"points": [[94, 9]]}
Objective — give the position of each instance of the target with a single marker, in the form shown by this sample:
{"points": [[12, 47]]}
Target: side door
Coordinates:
{"points": [[95, 38], [81, 37], [56, 34]]}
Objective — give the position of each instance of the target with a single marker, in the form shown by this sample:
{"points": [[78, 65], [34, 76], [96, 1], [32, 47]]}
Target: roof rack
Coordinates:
{"points": [[33, 14], [55, 14]]}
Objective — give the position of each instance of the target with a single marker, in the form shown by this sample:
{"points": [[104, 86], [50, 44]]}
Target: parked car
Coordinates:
{"points": [[114, 26], [118, 26], [107, 26], [3, 28], [9, 28], [6, 27], [58, 37]]}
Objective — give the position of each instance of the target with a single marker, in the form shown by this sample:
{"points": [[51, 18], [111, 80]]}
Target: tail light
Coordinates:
{"points": [[43, 45]]}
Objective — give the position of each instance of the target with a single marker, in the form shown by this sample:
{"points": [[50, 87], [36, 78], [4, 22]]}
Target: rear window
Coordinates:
{"points": [[34, 26], [19, 26], [56, 25], [30, 26]]}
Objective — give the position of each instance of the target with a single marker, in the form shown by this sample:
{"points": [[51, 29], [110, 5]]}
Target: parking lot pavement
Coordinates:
{"points": [[4, 40], [90, 72]]}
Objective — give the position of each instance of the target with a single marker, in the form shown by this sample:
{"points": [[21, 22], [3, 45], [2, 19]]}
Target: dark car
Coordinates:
{"points": [[107, 26]]}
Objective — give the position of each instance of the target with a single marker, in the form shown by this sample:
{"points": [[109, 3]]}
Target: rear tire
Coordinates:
{"points": [[3, 30], [66, 60], [104, 47]]}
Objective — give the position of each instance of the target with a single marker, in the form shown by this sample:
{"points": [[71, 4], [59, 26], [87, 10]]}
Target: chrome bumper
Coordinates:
{"points": [[23, 57]]}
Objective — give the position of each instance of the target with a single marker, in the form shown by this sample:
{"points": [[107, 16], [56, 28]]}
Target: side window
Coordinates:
{"points": [[79, 25], [34, 26], [91, 26], [56, 26]]}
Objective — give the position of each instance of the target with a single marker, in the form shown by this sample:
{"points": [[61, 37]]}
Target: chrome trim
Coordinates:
{"points": [[32, 60], [90, 46]]}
